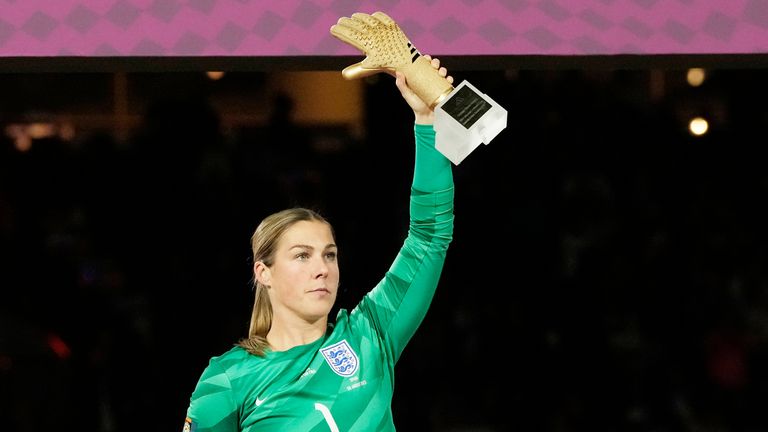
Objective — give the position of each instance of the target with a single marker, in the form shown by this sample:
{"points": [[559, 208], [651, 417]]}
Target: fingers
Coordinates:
{"points": [[349, 22], [381, 16], [366, 19], [356, 27], [435, 62], [443, 72], [348, 34]]}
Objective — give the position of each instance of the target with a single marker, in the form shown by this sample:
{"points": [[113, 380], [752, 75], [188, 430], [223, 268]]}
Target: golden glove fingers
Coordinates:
{"points": [[388, 50]]}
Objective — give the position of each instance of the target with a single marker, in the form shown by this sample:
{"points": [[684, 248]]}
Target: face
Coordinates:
{"points": [[304, 278]]}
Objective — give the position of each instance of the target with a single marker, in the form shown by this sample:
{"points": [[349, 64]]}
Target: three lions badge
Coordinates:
{"points": [[341, 358]]}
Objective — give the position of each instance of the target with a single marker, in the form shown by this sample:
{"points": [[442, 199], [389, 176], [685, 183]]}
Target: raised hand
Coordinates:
{"points": [[423, 112]]}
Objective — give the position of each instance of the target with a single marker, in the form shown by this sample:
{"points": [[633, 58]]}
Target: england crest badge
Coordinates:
{"points": [[341, 358]]}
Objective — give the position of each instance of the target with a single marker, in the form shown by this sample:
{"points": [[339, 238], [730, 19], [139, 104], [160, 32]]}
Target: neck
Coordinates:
{"points": [[283, 337]]}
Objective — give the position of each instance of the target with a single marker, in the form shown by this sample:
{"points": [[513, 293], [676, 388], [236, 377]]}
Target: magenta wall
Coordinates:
{"points": [[42, 28]]}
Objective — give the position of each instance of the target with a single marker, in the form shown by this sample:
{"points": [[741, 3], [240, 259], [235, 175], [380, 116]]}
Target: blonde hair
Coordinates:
{"points": [[264, 244]]}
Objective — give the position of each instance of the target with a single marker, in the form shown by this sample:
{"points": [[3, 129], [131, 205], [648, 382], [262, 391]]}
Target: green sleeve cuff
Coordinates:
{"points": [[432, 171]]}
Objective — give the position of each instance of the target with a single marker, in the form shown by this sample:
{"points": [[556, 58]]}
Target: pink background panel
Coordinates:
{"points": [[246, 28]]}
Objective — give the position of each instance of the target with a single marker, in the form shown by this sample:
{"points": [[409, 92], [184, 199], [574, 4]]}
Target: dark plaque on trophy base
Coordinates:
{"points": [[466, 106], [464, 119]]}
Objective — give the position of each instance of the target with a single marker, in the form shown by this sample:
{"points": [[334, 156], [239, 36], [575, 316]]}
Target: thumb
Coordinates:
{"points": [[357, 70], [401, 83], [409, 95]]}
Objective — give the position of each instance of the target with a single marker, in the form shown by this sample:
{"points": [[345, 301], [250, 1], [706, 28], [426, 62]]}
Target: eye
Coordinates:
{"points": [[302, 256], [331, 256]]}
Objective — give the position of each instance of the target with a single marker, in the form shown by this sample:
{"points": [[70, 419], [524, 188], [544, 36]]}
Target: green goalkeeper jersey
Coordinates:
{"points": [[344, 380]]}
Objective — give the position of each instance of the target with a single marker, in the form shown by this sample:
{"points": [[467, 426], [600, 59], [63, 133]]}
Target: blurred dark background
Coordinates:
{"points": [[609, 270]]}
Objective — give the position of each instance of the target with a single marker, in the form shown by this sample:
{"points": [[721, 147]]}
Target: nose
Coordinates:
{"points": [[321, 269]]}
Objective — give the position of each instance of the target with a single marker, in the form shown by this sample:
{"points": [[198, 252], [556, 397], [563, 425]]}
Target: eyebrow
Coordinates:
{"points": [[303, 246]]}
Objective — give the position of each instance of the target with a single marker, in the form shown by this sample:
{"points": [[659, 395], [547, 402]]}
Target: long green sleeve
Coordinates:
{"points": [[400, 301]]}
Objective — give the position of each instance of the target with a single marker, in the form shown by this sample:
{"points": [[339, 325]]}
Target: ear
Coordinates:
{"points": [[262, 273]]}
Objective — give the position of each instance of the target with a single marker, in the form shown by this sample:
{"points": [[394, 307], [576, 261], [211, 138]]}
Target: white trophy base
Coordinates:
{"points": [[464, 119]]}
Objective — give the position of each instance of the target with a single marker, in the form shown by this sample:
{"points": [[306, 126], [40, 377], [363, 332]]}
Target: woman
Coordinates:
{"points": [[296, 371]]}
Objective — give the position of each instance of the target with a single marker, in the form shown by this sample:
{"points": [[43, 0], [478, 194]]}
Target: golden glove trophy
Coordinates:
{"points": [[464, 117]]}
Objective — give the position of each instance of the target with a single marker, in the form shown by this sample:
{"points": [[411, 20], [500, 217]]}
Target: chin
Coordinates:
{"points": [[320, 310]]}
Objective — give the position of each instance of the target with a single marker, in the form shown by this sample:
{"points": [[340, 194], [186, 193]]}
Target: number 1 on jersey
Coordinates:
{"points": [[327, 416]]}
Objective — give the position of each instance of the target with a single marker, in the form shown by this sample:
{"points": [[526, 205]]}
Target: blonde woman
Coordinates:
{"points": [[299, 371]]}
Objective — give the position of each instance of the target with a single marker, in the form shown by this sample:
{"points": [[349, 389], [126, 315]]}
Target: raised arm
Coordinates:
{"points": [[398, 304]]}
